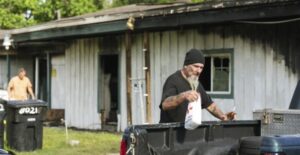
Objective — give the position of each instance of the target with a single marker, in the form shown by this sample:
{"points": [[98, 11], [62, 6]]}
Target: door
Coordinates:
{"points": [[58, 81], [109, 88], [41, 78]]}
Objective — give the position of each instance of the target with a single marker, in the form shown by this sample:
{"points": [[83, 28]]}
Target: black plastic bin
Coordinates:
{"points": [[24, 127], [279, 145], [2, 116]]}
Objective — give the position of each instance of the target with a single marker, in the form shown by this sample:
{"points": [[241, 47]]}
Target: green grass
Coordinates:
{"points": [[91, 143]]}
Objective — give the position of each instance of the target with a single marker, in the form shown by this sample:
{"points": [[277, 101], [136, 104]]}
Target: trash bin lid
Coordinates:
{"points": [[26, 103]]}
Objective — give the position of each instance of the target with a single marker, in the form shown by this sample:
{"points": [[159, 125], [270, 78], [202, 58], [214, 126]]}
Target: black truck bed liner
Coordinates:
{"points": [[211, 138]]}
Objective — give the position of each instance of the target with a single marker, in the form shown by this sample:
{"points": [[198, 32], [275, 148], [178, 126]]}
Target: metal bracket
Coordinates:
{"points": [[266, 118], [132, 144]]}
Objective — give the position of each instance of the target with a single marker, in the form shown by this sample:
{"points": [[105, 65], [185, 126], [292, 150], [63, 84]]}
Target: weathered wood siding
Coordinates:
{"points": [[262, 78], [81, 84], [265, 75], [58, 80], [138, 80]]}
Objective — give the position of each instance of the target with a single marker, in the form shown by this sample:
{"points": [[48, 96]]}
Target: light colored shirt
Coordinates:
{"points": [[19, 88]]}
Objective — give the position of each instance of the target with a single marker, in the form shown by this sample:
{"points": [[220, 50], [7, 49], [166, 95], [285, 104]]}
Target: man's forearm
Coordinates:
{"points": [[215, 111], [31, 93], [173, 101]]}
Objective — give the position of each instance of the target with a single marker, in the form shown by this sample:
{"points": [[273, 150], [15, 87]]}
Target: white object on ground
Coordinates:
{"points": [[74, 142], [70, 142]]}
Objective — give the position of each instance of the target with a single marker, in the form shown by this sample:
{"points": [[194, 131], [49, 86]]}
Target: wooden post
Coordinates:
{"points": [[147, 77], [128, 76], [36, 79]]}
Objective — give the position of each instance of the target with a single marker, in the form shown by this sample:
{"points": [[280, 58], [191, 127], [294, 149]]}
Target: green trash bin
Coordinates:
{"points": [[24, 124]]}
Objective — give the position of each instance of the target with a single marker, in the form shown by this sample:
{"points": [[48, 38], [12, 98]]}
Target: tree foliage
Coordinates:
{"points": [[12, 12]]}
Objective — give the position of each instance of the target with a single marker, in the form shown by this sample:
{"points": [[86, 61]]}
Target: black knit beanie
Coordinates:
{"points": [[194, 56]]}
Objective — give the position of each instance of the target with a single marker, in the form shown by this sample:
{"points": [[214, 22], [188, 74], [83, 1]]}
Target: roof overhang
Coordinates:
{"points": [[282, 9]]}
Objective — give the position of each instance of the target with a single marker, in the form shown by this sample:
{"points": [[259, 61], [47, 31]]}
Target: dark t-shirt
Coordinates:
{"points": [[174, 85]]}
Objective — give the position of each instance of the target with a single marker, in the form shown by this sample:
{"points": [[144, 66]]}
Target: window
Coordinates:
{"points": [[217, 76]]}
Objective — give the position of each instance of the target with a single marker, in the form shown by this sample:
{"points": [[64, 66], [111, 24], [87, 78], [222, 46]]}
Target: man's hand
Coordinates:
{"points": [[191, 95], [231, 115], [228, 116], [214, 110]]}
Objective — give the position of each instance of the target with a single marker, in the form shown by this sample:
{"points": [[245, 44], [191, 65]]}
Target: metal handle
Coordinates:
{"points": [[132, 144]]}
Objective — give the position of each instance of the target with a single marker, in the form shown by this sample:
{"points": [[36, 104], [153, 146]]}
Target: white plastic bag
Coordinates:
{"points": [[193, 115]]}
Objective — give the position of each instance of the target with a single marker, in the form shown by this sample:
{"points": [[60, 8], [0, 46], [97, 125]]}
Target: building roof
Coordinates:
{"points": [[105, 15], [158, 16]]}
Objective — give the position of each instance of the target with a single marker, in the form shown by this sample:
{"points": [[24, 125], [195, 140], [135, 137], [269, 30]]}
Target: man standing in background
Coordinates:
{"points": [[19, 87]]}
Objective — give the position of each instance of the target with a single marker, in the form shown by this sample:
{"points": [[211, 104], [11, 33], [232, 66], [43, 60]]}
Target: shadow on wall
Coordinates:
{"points": [[283, 38], [295, 103]]}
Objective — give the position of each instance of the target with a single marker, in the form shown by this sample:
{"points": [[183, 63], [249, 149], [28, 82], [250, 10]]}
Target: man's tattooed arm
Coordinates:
{"points": [[214, 110], [173, 101]]}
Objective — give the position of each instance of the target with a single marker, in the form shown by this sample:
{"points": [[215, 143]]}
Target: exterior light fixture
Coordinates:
{"points": [[7, 42], [130, 23]]}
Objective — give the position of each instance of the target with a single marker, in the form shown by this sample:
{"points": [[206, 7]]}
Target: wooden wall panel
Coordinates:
{"points": [[256, 69], [81, 84]]}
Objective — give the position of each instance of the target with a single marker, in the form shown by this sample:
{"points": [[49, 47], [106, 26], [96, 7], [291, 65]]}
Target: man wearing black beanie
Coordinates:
{"points": [[183, 87]]}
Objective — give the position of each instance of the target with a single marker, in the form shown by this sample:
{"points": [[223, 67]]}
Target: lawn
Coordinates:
{"points": [[90, 143]]}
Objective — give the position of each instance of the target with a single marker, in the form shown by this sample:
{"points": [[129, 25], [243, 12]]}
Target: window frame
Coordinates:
{"points": [[216, 52]]}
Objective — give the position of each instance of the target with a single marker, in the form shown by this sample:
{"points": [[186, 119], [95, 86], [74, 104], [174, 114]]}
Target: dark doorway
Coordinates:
{"points": [[109, 88], [42, 79]]}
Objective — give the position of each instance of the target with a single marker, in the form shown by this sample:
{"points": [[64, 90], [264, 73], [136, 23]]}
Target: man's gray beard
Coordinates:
{"points": [[193, 80]]}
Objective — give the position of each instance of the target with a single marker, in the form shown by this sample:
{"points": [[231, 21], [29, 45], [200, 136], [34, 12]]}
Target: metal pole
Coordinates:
{"points": [[141, 100], [37, 66], [8, 68]]}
